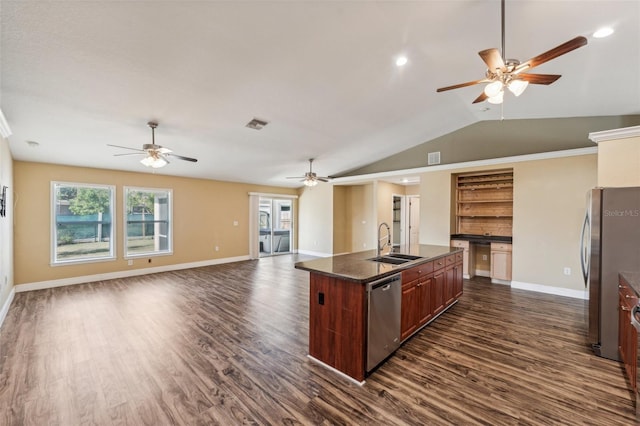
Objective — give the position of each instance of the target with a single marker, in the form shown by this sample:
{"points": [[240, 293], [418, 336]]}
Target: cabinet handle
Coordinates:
{"points": [[626, 296], [621, 286], [624, 308]]}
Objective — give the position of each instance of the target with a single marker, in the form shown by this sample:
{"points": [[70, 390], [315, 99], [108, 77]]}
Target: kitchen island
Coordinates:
{"points": [[339, 323]]}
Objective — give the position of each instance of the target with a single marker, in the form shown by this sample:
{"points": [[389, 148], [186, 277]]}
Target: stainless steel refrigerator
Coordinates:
{"points": [[610, 244]]}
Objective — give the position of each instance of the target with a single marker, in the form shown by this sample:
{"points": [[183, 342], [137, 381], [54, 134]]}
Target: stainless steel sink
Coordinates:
{"points": [[405, 256], [389, 259]]}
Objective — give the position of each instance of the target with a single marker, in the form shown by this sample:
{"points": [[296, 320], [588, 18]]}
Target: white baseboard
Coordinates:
{"points": [[483, 273], [7, 304], [123, 274], [315, 253], [559, 291]]}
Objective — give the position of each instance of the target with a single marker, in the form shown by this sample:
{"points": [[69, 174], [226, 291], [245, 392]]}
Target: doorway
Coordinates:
{"points": [[406, 221], [275, 220]]}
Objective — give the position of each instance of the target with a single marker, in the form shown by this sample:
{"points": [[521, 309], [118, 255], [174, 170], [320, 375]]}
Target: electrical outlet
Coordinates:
{"points": [[217, 248], [567, 271], [484, 257], [235, 223], [130, 262]]}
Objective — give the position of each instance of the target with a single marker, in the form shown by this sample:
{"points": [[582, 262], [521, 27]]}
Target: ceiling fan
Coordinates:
{"points": [[510, 73], [310, 178], [156, 155]]}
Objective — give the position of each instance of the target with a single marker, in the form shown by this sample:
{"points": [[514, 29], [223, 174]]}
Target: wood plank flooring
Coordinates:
{"points": [[228, 345]]}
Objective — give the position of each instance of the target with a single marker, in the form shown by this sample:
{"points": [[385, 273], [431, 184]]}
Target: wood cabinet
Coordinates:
{"points": [[417, 283], [500, 262], [458, 276], [485, 203], [337, 326], [627, 334], [468, 257]]}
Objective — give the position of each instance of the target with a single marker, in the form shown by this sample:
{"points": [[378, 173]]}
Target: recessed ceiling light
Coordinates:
{"points": [[401, 61], [603, 32]]}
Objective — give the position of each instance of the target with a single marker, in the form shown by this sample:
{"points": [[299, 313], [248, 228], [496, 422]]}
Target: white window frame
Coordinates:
{"points": [[54, 261], [166, 252]]}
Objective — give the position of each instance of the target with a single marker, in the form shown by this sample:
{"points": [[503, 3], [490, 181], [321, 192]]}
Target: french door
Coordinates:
{"points": [[275, 221]]}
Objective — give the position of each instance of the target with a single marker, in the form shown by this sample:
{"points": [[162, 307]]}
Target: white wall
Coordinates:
{"points": [[6, 231]]}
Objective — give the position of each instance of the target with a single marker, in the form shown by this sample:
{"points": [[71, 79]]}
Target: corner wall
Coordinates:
{"points": [[204, 212], [6, 231], [549, 205]]}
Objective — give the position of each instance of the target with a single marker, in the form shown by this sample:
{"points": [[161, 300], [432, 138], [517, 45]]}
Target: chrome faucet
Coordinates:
{"points": [[387, 238]]}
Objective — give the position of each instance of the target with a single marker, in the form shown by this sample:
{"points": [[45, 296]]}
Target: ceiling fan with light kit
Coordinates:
{"points": [[310, 178], [511, 73], [156, 156]]}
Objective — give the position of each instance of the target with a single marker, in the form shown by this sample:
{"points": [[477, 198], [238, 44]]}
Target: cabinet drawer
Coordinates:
{"points": [[460, 244], [500, 247], [450, 260], [439, 263], [459, 257], [628, 297], [417, 271]]}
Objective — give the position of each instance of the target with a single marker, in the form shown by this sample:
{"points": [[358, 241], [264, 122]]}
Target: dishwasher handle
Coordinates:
{"points": [[384, 282]]}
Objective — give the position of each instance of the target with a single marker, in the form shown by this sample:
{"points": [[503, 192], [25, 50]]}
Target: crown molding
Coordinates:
{"points": [[607, 135]]}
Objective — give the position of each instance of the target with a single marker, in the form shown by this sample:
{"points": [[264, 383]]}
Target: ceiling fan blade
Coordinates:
{"points": [[483, 96], [180, 157], [125, 147], [295, 177], [458, 86], [130, 153], [553, 53], [492, 58], [539, 78], [323, 179]]}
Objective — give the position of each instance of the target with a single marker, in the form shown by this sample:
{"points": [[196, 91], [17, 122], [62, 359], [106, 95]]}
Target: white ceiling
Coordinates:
{"points": [[76, 76]]}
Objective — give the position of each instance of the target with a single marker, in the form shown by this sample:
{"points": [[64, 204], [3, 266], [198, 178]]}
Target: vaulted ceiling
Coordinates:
{"points": [[76, 76]]}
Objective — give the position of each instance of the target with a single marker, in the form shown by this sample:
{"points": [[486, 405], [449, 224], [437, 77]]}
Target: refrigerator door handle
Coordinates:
{"points": [[585, 247]]}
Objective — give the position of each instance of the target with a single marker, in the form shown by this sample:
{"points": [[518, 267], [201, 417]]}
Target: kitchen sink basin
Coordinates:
{"points": [[405, 256], [389, 259]]}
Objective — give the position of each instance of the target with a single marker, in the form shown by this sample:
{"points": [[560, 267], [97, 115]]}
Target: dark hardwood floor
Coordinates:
{"points": [[227, 345]]}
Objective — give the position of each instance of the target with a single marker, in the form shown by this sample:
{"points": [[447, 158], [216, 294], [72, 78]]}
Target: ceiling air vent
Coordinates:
{"points": [[433, 158], [256, 124]]}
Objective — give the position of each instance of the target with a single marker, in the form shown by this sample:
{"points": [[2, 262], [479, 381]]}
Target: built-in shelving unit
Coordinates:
{"points": [[485, 203]]}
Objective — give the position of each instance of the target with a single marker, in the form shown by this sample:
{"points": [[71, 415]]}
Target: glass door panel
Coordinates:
{"points": [[275, 223]]}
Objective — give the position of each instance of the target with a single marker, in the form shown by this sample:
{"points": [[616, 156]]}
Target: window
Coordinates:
{"points": [[82, 229], [148, 221]]}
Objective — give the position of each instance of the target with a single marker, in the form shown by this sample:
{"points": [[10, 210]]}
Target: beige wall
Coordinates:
{"points": [[341, 220], [549, 203], [619, 162], [203, 216], [315, 220], [363, 217], [6, 225]]}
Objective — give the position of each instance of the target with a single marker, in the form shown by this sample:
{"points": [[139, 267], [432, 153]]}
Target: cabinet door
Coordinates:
{"points": [[449, 284], [425, 312], [457, 279], [437, 292], [501, 265], [409, 309]]}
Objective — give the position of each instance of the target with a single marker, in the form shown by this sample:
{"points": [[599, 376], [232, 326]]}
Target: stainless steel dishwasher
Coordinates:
{"points": [[383, 334]]}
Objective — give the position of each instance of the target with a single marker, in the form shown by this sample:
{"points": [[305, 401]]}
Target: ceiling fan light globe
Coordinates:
{"points": [[517, 87], [493, 89], [310, 182], [155, 163], [497, 99]]}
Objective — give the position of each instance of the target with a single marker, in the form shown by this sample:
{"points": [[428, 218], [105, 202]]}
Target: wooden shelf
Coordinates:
{"points": [[485, 203]]}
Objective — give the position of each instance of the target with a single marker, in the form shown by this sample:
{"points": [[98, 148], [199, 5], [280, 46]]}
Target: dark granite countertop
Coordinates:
{"points": [[356, 267], [482, 239], [633, 279]]}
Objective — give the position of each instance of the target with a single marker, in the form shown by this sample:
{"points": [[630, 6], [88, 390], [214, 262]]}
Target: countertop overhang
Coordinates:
{"points": [[482, 239], [358, 268]]}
